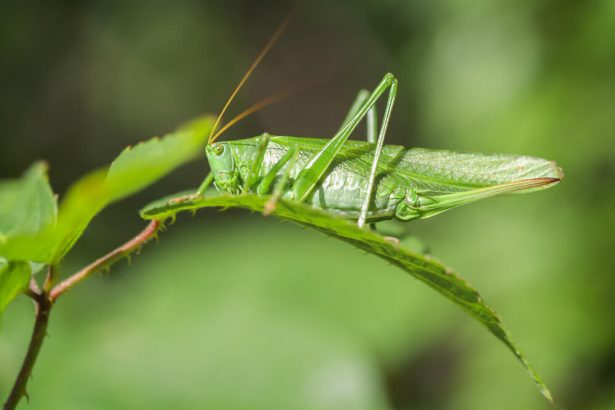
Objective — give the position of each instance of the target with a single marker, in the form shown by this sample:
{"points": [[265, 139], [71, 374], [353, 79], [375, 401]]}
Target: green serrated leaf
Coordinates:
{"points": [[133, 170], [27, 210], [27, 204], [137, 167], [14, 278], [426, 269]]}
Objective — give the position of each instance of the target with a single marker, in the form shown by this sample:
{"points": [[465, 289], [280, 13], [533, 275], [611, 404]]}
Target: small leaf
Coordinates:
{"points": [[426, 269], [133, 170], [27, 204], [27, 210], [14, 278]]}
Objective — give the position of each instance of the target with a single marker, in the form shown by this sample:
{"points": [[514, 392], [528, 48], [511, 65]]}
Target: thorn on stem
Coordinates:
{"points": [[270, 206], [393, 240]]}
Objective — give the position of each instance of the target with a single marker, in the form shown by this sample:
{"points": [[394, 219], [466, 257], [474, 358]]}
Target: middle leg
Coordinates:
{"points": [[309, 177]]}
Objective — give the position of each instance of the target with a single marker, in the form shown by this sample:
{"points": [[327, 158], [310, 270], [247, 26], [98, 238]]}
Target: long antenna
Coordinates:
{"points": [[259, 58], [259, 106]]}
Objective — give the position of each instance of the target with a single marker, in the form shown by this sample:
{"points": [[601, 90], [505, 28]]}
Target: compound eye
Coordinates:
{"points": [[218, 149]]}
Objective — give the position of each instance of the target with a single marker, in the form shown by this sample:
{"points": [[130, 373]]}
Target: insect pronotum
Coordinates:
{"points": [[364, 181]]}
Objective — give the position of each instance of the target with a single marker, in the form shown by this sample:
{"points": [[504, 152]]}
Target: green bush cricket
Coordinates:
{"points": [[318, 182], [364, 181]]}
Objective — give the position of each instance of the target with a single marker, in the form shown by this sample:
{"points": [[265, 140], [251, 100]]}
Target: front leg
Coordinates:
{"points": [[255, 169], [289, 159], [205, 184]]}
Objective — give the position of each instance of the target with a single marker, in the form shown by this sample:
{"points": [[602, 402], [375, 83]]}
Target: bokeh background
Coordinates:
{"points": [[234, 311]]}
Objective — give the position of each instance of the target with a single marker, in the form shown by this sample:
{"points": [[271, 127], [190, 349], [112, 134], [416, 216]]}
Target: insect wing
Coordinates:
{"points": [[439, 172]]}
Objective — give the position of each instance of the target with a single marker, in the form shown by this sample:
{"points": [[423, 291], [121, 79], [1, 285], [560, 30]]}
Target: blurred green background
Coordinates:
{"points": [[233, 311]]}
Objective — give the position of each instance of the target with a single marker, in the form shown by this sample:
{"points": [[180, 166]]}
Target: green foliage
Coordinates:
{"points": [[422, 267], [133, 170], [30, 232], [137, 167], [27, 204], [14, 278], [285, 335]]}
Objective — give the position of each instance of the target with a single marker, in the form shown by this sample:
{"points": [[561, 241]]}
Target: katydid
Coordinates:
{"points": [[365, 181]]}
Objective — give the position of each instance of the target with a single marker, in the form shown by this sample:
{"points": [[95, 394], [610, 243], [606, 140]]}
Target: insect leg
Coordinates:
{"points": [[318, 165], [372, 125], [372, 116], [292, 155], [263, 141], [372, 131], [377, 152], [418, 206], [265, 184], [205, 184]]}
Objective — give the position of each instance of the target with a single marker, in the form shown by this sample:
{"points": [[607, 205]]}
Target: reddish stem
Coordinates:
{"points": [[45, 298], [134, 244]]}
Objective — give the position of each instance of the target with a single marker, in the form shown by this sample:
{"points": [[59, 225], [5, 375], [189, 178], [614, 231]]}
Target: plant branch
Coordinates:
{"points": [[49, 279], [43, 308], [33, 290], [123, 251], [45, 298]]}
